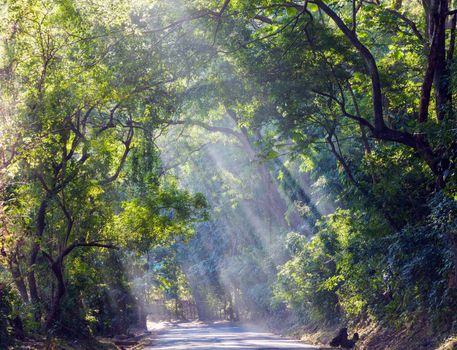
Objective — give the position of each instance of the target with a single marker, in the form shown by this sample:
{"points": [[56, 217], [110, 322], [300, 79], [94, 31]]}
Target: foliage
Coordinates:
{"points": [[81, 170], [245, 157]]}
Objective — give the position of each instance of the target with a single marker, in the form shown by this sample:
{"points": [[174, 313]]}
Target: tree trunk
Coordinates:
{"points": [[439, 78], [200, 303], [142, 317], [449, 60], [18, 278], [54, 313], [40, 226]]}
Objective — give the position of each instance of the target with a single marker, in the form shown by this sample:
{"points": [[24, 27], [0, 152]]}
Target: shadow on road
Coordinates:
{"points": [[194, 335]]}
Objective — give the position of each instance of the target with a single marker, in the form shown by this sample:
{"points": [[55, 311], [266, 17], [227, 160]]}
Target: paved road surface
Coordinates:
{"points": [[224, 336]]}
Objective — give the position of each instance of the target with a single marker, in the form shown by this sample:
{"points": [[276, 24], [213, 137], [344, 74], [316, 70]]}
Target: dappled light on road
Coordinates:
{"points": [[220, 336]]}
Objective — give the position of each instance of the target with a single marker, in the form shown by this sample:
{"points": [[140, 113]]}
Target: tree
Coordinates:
{"points": [[87, 96]]}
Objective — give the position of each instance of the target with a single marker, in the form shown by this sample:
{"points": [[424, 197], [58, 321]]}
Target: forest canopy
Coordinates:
{"points": [[254, 159]]}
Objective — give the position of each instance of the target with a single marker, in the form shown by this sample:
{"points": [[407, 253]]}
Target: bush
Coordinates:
{"points": [[352, 267]]}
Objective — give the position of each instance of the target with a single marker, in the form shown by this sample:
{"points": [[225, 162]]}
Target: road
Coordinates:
{"points": [[224, 336]]}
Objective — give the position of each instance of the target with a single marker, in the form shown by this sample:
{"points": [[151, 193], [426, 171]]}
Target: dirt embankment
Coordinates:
{"points": [[373, 336]]}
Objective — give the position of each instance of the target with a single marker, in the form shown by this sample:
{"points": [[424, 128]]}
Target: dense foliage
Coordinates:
{"points": [[83, 99], [343, 115], [321, 135]]}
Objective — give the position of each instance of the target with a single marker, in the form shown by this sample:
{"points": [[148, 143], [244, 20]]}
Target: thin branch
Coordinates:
{"points": [[224, 7], [110, 123], [127, 144], [71, 247], [344, 111], [264, 19], [196, 15], [242, 138], [410, 24], [221, 129]]}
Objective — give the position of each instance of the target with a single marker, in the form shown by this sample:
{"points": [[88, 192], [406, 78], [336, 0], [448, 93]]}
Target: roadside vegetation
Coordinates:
{"points": [[289, 162]]}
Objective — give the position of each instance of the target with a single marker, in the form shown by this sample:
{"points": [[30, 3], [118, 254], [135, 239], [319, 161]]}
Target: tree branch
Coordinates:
{"points": [[263, 19], [77, 244], [224, 130], [360, 120], [127, 144], [369, 61], [410, 24], [196, 15]]}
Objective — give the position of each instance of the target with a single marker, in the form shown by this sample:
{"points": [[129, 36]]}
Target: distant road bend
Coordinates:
{"points": [[194, 335]]}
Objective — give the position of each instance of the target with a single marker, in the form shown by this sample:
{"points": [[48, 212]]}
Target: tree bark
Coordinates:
{"points": [[33, 287], [449, 59], [437, 14], [54, 312], [18, 278]]}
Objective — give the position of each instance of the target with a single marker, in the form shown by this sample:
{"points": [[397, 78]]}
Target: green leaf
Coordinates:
{"points": [[313, 7], [291, 11]]}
